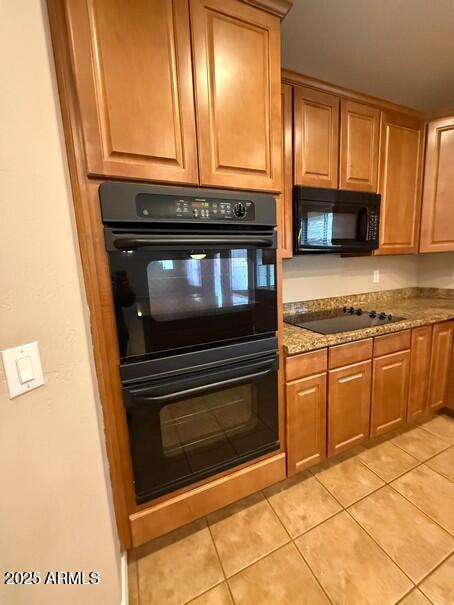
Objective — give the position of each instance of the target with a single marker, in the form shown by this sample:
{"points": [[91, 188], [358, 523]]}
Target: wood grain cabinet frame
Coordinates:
{"points": [[421, 347], [437, 224], [359, 146], [316, 138], [401, 161], [236, 52], [132, 68], [284, 200], [440, 364], [349, 390], [306, 422]]}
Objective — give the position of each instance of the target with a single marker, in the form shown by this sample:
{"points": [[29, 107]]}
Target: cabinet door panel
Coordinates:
{"points": [[421, 345], [306, 422], [390, 392], [400, 180], [132, 67], [284, 200], [360, 138], [237, 73], [437, 226], [348, 406], [316, 138], [440, 364]]}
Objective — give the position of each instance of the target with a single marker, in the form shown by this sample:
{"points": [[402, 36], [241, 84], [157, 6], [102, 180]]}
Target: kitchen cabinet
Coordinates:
{"points": [[437, 226], [284, 200], [349, 391], [236, 53], [440, 364], [306, 422], [359, 146], [133, 77], [421, 347], [316, 138], [390, 392], [402, 143]]}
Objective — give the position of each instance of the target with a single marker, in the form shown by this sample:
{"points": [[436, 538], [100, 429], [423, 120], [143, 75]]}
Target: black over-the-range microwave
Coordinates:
{"points": [[335, 220]]}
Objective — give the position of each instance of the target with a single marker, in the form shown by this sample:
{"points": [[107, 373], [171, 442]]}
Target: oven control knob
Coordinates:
{"points": [[373, 313], [239, 210], [390, 317], [382, 315], [359, 311]]}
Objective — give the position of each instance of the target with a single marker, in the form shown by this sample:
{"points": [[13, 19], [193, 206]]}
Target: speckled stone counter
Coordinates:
{"points": [[419, 306]]}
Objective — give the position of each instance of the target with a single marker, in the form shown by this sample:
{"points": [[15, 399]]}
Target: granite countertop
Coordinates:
{"points": [[419, 306]]}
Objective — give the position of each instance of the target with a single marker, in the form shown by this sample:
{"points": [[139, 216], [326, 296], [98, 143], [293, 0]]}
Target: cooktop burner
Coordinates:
{"points": [[343, 319]]}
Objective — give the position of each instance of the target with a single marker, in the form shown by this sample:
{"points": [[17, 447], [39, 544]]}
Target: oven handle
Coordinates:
{"points": [[131, 242], [271, 366]]}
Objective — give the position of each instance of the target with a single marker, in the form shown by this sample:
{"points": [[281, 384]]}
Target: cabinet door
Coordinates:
{"points": [[421, 346], [390, 392], [348, 406], [306, 422], [316, 138], [359, 149], [238, 94], [440, 364], [437, 226], [284, 200], [400, 183], [132, 67]]}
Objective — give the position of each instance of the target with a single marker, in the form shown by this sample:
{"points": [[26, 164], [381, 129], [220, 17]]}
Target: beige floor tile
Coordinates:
{"points": [[281, 578], [419, 443], [350, 566], [179, 566], [133, 582], [301, 502], [439, 586], [387, 460], [246, 531], [442, 426], [410, 538], [415, 597], [443, 463], [431, 492], [348, 479], [219, 595]]}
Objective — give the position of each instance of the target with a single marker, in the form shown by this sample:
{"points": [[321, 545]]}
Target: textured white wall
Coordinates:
{"points": [[55, 502]]}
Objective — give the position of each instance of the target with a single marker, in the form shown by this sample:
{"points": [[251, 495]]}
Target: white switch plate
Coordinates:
{"points": [[22, 374], [376, 276]]}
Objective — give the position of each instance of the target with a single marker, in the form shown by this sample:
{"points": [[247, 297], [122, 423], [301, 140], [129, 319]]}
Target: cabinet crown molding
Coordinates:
{"points": [[276, 7]]}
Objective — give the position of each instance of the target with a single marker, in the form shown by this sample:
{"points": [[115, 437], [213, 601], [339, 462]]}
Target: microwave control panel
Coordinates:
{"points": [[193, 208]]}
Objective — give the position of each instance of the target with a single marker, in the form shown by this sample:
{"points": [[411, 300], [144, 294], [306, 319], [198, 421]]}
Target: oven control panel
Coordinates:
{"points": [[194, 208]]}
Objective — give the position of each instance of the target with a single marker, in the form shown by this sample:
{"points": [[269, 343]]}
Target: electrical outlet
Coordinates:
{"points": [[376, 276]]}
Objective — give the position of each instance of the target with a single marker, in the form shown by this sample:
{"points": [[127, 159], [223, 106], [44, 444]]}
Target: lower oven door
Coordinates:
{"points": [[189, 427]]}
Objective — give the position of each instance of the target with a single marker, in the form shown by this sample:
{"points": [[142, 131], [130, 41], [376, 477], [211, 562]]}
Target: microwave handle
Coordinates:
{"points": [[134, 242]]}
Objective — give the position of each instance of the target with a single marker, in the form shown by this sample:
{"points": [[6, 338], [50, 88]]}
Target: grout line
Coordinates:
{"points": [[436, 567], [312, 572]]}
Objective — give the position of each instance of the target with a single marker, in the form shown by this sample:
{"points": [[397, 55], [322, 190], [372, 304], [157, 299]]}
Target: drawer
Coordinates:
{"points": [[299, 366], [352, 352], [391, 343]]}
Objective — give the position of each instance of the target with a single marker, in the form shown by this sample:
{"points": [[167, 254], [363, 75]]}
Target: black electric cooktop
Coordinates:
{"points": [[343, 319]]}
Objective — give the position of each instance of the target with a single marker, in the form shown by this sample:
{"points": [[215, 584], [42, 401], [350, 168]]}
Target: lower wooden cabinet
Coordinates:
{"points": [[348, 406], [306, 422], [390, 392], [440, 364], [421, 346]]}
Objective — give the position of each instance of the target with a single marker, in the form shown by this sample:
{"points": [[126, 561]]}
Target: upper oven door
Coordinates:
{"points": [[176, 291], [334, 227]]}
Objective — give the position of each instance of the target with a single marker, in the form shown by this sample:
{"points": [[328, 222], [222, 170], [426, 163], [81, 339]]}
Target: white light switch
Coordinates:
{"points": [[23, 369]]}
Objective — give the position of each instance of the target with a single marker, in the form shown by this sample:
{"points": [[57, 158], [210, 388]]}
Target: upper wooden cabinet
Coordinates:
{"points": [[400, 183], [236, 51], [316, 138], [437, 225], [359, 146], [133, 75], [284, 200]]}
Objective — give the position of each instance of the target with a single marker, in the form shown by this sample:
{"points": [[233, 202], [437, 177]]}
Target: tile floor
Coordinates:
{"points": [[372, 527]]}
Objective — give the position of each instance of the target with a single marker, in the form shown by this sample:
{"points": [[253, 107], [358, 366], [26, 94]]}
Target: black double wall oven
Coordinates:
{"points": [[193, 275]]}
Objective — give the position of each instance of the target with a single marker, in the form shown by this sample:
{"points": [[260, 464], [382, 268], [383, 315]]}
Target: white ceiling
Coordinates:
{"points": [[400, 50]]}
